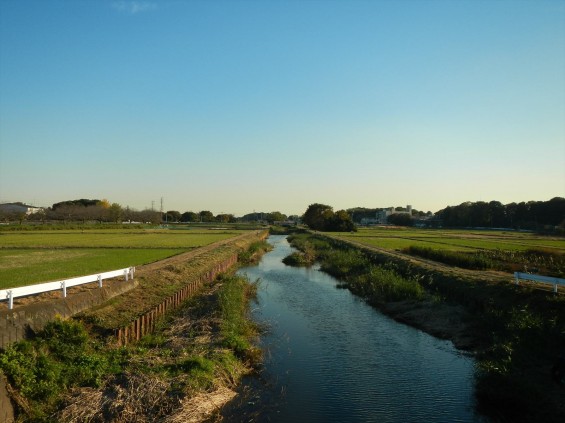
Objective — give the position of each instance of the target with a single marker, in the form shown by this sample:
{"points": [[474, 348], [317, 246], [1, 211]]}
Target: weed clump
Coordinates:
{"points": [[61, 356]]}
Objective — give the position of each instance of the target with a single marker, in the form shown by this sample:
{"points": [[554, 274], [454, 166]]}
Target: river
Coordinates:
{"points": [[329, 357]]}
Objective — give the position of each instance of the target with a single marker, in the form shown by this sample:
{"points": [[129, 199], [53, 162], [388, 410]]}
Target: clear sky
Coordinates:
{"points": [[235, 106]]}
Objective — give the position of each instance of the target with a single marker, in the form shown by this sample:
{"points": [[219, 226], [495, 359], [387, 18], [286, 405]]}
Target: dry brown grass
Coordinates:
{"points": [[202, 406], [155, 395], [132, 398]]}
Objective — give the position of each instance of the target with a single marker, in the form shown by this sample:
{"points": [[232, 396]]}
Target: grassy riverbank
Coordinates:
{"points": [[194, 358], [517, 333]]}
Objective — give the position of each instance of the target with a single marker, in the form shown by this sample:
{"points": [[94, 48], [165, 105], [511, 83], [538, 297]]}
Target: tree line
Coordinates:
{"points": [[103, 211], [533, 215]]}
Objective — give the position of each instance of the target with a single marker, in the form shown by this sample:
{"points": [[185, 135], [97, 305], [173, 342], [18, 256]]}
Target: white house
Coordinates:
{"points": [[16, 208]]}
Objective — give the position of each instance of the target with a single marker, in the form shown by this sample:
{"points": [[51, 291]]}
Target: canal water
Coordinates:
{"points": [[329, 357]]}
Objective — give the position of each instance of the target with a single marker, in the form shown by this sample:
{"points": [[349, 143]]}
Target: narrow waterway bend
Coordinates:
{"points": [[330, 357]]}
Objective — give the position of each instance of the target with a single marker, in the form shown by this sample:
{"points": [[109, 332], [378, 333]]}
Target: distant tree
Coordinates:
{"points": [[254, 217], [225, 218], [38, 216], [104, 203], [275, 216], [189, 217], [82, 202], [148, 216], [115, 213], [317, 215], [128, 214], [321, 217], [400, 219], [530, 215], [172, 216], [359, 213], [206, 216], [341, 222]]}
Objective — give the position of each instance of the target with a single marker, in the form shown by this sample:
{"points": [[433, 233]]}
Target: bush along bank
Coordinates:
{"points": [[517, 333], [194, 357]]}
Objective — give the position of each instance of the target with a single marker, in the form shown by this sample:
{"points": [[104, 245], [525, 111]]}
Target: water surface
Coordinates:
{"points": [[332, 358]]}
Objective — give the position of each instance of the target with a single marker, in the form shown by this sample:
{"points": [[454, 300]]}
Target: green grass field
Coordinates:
{"points": [[454, 240], [41, 256]]}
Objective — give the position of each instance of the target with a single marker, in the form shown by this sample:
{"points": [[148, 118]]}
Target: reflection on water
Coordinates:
{"points": [[332, 358]]}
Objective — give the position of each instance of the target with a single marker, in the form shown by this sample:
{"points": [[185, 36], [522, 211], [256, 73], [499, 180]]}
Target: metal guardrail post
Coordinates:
{"points": [[99, 281], [10, 300], [64, 287]]}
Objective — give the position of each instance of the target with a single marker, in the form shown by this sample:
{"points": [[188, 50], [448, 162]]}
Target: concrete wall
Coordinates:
{"points": [[16, 323]]}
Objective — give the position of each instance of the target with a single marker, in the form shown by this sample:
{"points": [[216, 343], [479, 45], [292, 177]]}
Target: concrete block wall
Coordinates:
{"points": [[16, 323]]}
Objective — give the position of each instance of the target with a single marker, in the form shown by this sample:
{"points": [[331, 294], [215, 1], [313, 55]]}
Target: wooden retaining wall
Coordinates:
{"points": [[145, 323]]}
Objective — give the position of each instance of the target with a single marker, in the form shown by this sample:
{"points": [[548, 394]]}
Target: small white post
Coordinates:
{"points": [[555, 288], [126, 274], [132, 270], [10, 300], [99, 281], [64, 286]]}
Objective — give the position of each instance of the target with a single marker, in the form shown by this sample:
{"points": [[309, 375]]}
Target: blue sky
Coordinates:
{"points": [[235, 106]]}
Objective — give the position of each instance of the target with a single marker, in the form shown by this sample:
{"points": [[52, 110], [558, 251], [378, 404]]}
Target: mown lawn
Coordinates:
{"points": [[34, 257]]}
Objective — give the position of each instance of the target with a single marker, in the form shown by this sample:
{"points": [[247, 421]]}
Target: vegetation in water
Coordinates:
{"points": [[254, 252], [519, 331], [376, 283]]}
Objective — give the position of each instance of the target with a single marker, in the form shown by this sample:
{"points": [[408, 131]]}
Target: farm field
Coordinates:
{"points": [[454, 240], [41, 256]]}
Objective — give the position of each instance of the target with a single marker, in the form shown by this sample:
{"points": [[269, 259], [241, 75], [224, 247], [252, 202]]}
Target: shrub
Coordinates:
{"points": [[454, 258]]}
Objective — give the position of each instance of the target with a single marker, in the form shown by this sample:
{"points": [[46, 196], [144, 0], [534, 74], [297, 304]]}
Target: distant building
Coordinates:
{"points": [[16, 208], [382, 215]]}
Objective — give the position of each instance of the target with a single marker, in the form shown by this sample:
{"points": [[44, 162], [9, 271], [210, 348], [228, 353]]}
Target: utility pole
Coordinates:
{"points": [[162, 211]]}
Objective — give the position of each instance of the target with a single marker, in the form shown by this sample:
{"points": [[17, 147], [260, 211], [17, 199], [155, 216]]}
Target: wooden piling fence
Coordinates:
{"points": [[146, 323]]}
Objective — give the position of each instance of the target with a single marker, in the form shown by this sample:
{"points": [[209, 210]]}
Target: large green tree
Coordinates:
{"points": [[206, 216], [189, 217], [321, 217], [317, 215]]}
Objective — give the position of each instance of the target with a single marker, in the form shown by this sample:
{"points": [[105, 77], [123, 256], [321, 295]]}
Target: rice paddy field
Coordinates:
{"points": [[455, 240], [30, 257]]}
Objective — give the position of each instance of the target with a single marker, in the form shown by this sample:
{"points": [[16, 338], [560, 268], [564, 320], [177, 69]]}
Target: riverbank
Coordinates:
{"points": [[332, 358], [183, 371], [515, 333]]}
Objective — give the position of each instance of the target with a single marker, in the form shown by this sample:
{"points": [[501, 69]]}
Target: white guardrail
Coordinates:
{"points": [[22, 291], [539, 278]]}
